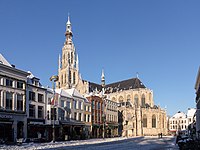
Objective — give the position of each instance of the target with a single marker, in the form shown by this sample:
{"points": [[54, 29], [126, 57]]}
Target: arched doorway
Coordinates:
{"points": [[20, 126]]}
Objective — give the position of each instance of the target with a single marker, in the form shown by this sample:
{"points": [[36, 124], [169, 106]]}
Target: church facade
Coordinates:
{"points": [[137, 114]]}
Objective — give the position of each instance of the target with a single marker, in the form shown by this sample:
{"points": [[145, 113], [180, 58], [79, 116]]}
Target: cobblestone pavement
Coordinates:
{"points": [[139, 143]]}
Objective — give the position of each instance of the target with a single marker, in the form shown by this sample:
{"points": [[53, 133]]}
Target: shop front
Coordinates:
{"points": [[12, 127], [38, 130], [72, 130]]}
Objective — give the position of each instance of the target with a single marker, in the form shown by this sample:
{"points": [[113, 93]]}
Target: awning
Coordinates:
{"points": [[72, 122], [6, 122]]}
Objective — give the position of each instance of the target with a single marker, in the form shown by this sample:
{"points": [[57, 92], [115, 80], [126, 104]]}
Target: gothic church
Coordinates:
{"points": [[137, 113]]}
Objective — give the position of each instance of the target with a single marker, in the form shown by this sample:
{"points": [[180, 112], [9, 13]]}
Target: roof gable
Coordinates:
{"points": [[4, 61]]}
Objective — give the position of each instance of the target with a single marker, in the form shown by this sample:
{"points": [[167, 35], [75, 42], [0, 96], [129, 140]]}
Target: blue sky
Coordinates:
{"points": [[158, 39]]}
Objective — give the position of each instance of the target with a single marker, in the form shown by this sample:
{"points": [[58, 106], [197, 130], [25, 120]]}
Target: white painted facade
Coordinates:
{"points": [[179, 122]]}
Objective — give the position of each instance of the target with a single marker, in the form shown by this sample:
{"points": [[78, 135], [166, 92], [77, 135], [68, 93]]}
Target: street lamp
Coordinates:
{"points": [[53, 78], [103, 115]]}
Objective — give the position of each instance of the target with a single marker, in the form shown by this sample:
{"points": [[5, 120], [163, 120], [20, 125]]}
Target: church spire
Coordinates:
{"points": [[68, 32], [102, 79]]}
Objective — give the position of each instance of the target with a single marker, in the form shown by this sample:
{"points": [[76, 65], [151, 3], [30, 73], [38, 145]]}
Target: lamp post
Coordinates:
{"points": [[103, 115], [53, 78]]}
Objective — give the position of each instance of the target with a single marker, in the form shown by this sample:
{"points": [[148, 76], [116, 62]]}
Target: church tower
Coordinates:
{"points": [[68, 67]]}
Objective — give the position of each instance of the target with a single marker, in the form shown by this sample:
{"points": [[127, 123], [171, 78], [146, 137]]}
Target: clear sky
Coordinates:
{"points": [[160, 39]]}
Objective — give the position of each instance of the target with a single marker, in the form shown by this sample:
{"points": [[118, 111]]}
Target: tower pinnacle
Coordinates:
{"points": [[68, 21], [102, 79], [68, 32]]}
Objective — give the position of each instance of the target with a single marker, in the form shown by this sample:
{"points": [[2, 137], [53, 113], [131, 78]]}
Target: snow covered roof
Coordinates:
{"points": [[31, 76], [74, 93], [191, 112], [63, 93], [4, 61], [179, 115]]}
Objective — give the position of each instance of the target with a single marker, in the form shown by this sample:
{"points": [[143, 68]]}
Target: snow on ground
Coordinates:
{"points": [[51, 145]]}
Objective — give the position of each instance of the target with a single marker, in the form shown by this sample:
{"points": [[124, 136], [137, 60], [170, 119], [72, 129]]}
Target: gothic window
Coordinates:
{"points": [[149, 97], [72, 57], [143, 100], [64, 57], [163, 122], [128, 100], [74, 78], [113, 99], [62, 79], [145, 121], [65, 78], [136, 100], [68, 58], [69, 77], [121, 100], [9, 98], [153, 121]]}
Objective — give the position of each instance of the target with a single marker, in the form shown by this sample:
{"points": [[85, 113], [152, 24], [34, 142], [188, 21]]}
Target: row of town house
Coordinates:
{"points": [[27, 110], [76, 108]]}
